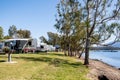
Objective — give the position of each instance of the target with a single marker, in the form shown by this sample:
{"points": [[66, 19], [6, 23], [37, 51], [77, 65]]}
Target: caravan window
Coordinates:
{"points": [[29, 43], [41, 46], [1, 45], [20, 44], [7, 44]]}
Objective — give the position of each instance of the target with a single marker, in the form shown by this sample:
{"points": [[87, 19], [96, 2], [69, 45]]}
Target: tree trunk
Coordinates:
{"points": [[65, 53], [81, 53], [86, 61], [69, 52]]}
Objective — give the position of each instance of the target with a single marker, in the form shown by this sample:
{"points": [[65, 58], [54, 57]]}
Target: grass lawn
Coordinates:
{"points": [[53, 66]]}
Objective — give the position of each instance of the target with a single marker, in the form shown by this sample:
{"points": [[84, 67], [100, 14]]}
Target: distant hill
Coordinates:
{"points": [[116, 44], [111, 46]]}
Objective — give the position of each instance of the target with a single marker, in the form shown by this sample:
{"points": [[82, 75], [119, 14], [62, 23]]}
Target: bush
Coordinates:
{"points": [[6, 49]]}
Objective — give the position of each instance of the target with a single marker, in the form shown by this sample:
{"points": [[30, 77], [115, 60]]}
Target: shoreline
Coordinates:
{"points": [[99, 68], [105, 63]]}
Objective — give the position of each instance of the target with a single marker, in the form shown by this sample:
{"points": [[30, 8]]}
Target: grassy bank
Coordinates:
{"points": [[53, 66]]}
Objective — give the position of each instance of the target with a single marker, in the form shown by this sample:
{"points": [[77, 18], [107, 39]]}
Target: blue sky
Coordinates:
{"points": [[38, 16]]}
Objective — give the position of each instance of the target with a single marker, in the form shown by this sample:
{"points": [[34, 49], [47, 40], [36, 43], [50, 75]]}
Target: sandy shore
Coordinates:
{"points": [[100, 71]]}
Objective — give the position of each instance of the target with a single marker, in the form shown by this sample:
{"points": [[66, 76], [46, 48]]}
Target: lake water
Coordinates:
{"points": [[111, 58]]}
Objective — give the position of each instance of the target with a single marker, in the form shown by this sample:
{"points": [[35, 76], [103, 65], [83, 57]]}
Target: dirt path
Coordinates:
{"points": [[102, 71]]}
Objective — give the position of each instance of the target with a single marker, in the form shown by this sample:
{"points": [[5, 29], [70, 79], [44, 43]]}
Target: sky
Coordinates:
{"points": [[38, 16]]}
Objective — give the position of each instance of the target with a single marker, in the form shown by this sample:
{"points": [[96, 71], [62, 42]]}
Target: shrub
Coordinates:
{"points": [[6, 49]]}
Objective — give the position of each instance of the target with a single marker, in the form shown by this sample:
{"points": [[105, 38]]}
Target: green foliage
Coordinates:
{"points": [[1, 33], [69, 25], [87, 21], [7, 37], [24, 33], [115, 30], [12, 30], [43, 39], [6, 49], [53, 38], [98, 14]]}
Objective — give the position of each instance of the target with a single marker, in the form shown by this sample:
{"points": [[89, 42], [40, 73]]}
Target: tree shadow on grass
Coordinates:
{"points": [[2, 61], [52, 61], [54, 54], [3, 57]]}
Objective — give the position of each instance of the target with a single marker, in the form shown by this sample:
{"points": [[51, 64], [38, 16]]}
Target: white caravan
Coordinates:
{"points": [[21, 45], [43, 47]]}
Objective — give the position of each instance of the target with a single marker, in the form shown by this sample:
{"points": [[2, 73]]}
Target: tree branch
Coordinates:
{"points": [[94, 23], [111, 17]]}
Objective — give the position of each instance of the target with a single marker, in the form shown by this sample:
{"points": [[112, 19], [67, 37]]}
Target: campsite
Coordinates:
{"points": [[59, 39]]}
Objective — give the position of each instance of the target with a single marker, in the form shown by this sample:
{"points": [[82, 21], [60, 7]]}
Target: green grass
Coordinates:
{"points": [[53, 66]]}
